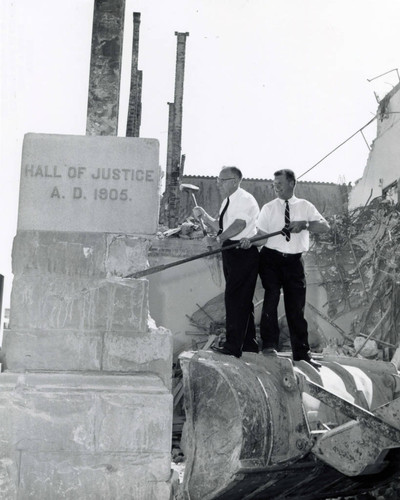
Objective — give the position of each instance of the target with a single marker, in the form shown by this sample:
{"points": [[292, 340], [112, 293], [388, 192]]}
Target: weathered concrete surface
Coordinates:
{"points": [[78, 254], [82, 436], [62, 302], [52, 350], [121, 351], [72, 311]]}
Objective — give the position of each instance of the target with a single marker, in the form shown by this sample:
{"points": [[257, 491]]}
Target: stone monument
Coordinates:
{"points": [[85, 396]]}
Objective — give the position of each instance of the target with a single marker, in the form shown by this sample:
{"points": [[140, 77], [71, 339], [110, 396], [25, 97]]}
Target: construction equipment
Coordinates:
{"points": [[162, 267], [190, 188], [259, 427]]}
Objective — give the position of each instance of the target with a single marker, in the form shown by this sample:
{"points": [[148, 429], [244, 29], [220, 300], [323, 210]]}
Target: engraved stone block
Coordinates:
{"points": [[88, 183]]}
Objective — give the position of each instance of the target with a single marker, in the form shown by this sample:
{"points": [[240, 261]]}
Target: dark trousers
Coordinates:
{"points": [[240, 270], [282, 271]]}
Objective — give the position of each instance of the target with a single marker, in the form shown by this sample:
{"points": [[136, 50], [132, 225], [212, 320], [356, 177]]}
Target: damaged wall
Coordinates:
{"points": [[383, 164]]}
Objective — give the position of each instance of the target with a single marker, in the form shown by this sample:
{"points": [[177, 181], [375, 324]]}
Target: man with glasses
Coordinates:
{"points": [[237, 220]]}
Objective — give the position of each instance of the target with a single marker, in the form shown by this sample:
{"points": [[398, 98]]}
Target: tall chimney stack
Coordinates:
{"points": [[135, 95], [105, 67], [174, 163]]}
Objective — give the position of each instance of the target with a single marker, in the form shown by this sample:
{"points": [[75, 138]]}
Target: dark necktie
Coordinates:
{"points": [[221, 217], [286, 231]]}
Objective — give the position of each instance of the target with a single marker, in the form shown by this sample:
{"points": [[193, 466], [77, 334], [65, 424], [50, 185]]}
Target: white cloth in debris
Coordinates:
{"points": [[272, 219], [243, 206]]}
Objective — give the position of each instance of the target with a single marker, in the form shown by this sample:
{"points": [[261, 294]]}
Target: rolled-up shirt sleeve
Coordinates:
{"points": [[248, 212], [313, 214], [264, 221], [244, 207]]}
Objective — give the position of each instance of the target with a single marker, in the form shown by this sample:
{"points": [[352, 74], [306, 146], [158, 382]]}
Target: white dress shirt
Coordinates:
{"points": [[272, 218], [242, 205]]}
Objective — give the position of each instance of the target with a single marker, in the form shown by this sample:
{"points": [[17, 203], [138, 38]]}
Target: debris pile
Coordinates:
{"points": [[359, 263], [188, 229]]}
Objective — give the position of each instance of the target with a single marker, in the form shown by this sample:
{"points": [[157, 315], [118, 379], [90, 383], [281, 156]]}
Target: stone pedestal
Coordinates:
{"points": [[85, 397], [84, 436]]}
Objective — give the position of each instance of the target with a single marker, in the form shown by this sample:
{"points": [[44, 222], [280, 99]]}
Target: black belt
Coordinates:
{"points": [[281, 254]]}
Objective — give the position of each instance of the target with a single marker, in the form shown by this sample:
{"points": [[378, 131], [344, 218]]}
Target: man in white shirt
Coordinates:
{"points": [[281, 264], [237, 220]]}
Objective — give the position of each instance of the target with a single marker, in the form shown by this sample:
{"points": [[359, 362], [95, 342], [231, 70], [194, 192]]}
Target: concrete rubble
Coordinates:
{"points": [[359, 261]]}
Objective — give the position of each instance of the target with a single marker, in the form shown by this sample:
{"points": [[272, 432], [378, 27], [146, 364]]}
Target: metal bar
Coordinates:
{"points": [[377, 340], [201, 222], [351, 410], [328, 320], [205, 312], [365, 140], [383, 74], [358, 268], [372, 332], [197, 324], [162, 267], [337, 147]]}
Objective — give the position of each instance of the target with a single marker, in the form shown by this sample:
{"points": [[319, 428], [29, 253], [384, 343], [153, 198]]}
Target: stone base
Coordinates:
{"points": [[85, 436], [71, 350]]}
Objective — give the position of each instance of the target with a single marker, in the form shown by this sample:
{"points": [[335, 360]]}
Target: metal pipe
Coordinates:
{"points": [[162, 267]]}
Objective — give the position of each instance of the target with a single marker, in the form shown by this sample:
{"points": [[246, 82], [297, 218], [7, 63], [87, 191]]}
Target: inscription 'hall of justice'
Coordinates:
{"points": [[104, 173]]}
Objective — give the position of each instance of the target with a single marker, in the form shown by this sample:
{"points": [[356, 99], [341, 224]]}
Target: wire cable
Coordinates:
{"points": [[337, 147]]}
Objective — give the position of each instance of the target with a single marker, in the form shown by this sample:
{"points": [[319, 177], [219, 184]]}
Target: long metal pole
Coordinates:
{"points": [[162, 267]]}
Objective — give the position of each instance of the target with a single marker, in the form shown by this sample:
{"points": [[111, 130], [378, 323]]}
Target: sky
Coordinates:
{"points": [[268, 83]]}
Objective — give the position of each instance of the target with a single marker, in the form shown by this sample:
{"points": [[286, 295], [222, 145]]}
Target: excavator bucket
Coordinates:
{"points": [[258, 427]]}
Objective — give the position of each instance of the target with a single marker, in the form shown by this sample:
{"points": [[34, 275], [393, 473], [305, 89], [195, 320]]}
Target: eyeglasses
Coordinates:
{"points": [[227, 179]]}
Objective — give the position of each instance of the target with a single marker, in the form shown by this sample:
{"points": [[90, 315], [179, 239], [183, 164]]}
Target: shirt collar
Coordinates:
{"points": [[290, 200], [235, 194]]}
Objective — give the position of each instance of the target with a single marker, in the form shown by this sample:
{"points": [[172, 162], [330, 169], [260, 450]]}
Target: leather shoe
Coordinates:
{"points": [[312, 362], [255, 351], [223, 350], [251, 346], [270, 351]]}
